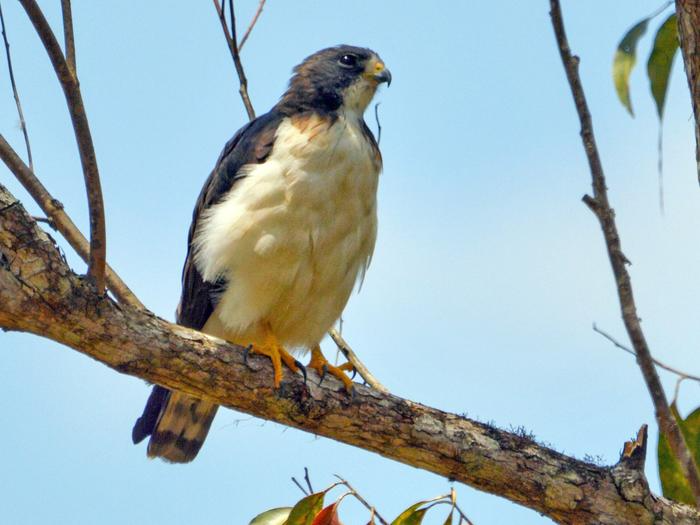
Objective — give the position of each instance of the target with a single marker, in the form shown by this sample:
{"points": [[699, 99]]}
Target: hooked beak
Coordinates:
{"points": [[383, 76]]}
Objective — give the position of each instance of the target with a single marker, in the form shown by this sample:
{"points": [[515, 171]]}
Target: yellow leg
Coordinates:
{"points": [[272, 348], [322, 366]]}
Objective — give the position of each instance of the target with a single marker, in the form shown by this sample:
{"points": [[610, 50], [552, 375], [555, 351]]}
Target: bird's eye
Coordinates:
{"points": [[348, 60]]}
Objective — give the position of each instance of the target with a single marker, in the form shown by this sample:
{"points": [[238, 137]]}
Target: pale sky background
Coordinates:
{"points": [[488, 272]]}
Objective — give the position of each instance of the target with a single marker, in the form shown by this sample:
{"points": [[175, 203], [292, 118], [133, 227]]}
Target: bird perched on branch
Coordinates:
{"points": [[284, 227]]}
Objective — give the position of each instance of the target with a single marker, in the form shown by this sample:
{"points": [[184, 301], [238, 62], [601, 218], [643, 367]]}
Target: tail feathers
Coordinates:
{"points": [[177, 423], [145, 425]]}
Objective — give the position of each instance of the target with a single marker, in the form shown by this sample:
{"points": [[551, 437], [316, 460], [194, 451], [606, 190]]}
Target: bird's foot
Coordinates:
{"points": [[278, 355], [322, 366]]}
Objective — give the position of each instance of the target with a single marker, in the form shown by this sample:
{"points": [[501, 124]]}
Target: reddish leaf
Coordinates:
{"points": [[328, 516]]}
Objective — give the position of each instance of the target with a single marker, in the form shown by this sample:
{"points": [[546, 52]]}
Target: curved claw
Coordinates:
{"points": [[323, 374], [354, 373], [302, 368]]}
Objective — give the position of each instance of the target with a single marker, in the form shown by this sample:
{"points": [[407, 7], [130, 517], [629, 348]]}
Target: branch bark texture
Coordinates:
{"points": [[600, 205], [66, 308]]}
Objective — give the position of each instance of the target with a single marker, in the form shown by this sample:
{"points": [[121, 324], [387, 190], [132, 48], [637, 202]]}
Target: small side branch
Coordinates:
{"points": [[252, 24], [600, 206], [15, 92], [351, 356], [68, 38], [71, 90], [235, 54], [680, 373]]}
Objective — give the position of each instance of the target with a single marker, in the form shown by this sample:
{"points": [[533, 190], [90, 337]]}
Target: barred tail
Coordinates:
{"points": [[177, 423]]}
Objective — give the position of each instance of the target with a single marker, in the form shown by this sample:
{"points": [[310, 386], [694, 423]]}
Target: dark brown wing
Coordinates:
{"points": [[251, 145]]}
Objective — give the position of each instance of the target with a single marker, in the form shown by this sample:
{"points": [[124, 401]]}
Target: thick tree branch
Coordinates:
{"points": [[688, 16], [35, 278], [600, 206], [81, 127]]}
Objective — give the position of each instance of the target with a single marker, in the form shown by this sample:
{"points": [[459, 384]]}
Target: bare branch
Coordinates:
{"points": [[34, 277], [69, 39], [680, 373], [22, 123], [62, 222], [252, 24], [362, 500], [600, 206], [233, 48], [81, 127]]}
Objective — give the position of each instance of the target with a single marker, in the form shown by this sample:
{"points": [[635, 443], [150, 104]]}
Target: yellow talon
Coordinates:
{"points": [[277, 354], [322, 366]]}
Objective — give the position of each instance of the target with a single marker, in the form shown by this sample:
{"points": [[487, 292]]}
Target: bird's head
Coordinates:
{"points": [[341, 77]]}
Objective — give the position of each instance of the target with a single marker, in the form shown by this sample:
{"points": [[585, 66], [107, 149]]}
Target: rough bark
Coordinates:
{"points": [[40, 294], [688, 15]]}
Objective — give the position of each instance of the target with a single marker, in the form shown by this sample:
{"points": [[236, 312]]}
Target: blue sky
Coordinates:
{"points": [[486, 279]]}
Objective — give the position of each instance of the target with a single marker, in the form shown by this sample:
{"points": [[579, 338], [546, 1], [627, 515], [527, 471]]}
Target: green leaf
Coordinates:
{"points": [[415, 517], [272, 517], [673, 482], [623, 63], [412, 516], [306, 509], [661, 60]]}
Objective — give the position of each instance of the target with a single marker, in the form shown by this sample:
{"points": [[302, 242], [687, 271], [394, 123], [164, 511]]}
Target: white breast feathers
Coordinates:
{"points": [[294, 235]]}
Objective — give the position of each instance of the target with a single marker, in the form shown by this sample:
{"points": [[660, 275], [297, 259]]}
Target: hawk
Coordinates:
{"points": [[283, 228]]}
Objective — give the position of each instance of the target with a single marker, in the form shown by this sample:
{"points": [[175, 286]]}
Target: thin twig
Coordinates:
{"points": [[463, 516], [351, 356], [81, 127], [63, 223], [233, 48], [252, 24], [68, 38], [362, 500], [308, 480], [22, 122], [302, 489], [600, 206], [676, 391], [680, 373]]}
